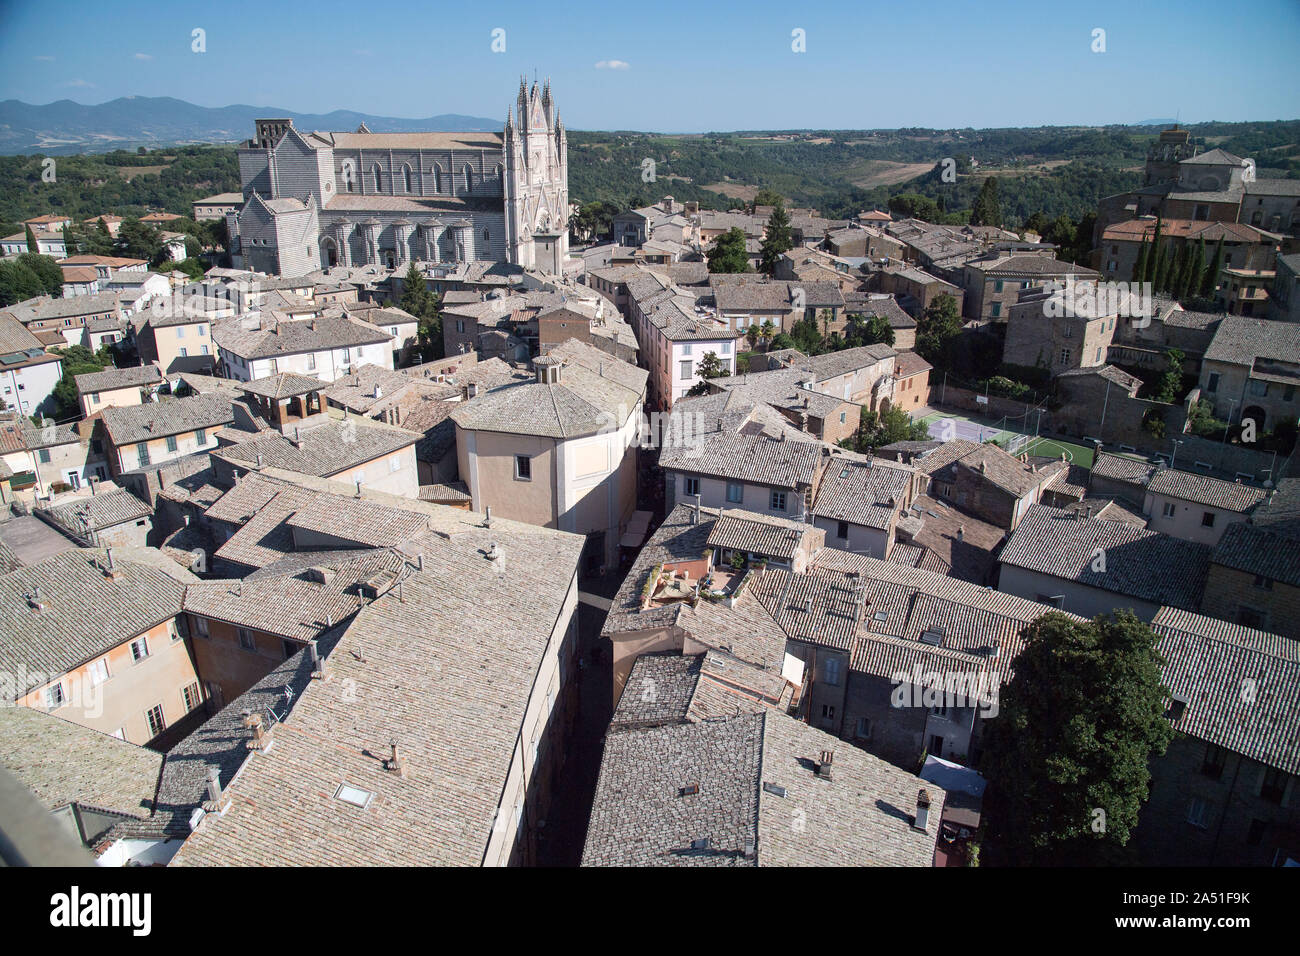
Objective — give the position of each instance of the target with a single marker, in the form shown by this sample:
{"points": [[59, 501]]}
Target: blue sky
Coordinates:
{"points": [[678, 66]]}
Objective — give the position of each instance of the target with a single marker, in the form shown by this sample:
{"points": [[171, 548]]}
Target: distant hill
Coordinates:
{"points": [[1155, 122], [66, 127]]}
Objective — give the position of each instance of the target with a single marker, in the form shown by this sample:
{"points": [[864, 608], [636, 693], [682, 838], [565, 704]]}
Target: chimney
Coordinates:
{"points": [[94, 484], [379, 392], [358, 487], [396, 763], [419, 561], [36, 600], [261, 740], [824, 765], [922, 820], [696, 518], [259, 461], [214, 785], [961, 532], [807, 605], [983, 466], [487, 519]]}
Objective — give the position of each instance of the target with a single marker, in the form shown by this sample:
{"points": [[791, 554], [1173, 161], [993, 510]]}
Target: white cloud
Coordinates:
{"points": [[44, 59], [613, 65], [79, 84], [143, 56]]}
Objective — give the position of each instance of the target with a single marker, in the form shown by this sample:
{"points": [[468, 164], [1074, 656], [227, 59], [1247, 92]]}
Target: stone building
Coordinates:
{"points": [[322, 199]]}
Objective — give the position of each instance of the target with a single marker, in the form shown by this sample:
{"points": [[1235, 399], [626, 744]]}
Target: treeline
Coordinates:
{"points": [[93, 184]]}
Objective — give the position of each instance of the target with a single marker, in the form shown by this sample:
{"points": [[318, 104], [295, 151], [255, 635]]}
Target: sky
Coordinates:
{"points": [[670, 66]]}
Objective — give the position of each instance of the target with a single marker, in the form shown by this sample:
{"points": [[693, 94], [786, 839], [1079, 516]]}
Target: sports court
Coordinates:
{"points": [[946, 426]]}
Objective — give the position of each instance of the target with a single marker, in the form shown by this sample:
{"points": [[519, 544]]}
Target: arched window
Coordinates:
{"points": [[406, 178], [379, 178], [486, 237], [347, 177], [469, 178], [437, 178]]}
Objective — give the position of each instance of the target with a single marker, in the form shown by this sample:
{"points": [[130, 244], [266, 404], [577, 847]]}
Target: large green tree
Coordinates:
{"points": [[937, 331], [18, 283], [710, 367], [426, 306], [47, 270], [867, 330], [987, 211], [778, 238], [1067, 755], [728, 252], [1210, 282]]}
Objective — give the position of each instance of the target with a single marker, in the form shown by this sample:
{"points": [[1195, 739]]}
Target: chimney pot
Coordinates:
{"points": [[922, 811]]}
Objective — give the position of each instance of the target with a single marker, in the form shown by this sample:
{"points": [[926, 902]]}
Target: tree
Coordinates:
{"points": [[18, 283], [139, 240], [892, 425], [1067, 757], [936, 331], [1171, 383], [1178, 272], [1139, 267], [767, 197], [807, 336], [778, 238], [33, 246], [868, 330], [1210, 284], [728, 252], [47, 270], [710, 367], [752, 335], [1196, 274], [780, 341], [986, 211], [1153, 254], [767, 332], [426, 306], [77, 360]]}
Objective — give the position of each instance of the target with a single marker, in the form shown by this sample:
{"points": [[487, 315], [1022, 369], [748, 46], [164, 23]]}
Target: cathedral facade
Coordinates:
{"points": [[317, 199]]}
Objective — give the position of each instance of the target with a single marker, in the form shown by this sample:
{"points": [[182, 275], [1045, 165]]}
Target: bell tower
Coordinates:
{"points": [[535, 157]]}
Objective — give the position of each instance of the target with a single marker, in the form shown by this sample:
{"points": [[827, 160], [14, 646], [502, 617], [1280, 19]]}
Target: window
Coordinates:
{"points": [[843, 417], [1258, 387], [842, 530], [686, 369], [828, 711], [406, 179], [1065, 356], [347, 356], [1197, 812], [190, 697], [139, 649], [180, 331], [98, 671], [1212, 765], [997, 286], [201, 436], [54, 696], [1273, 786], [939, 712], [1168, 510], [831, 671], [171, 442], [203, 349], [1069, 332], [1288, 393], [311, 361], [1098, 358], [690, 487], [1263, 583], [936, 745], [394, 463], [778, 501], [726, 348], [735, 493], [183, 353], [864, 728], [1250, 617], [523, 468], [154, 716], [997, 309], [289, 648], [246, 639], [1212, 383], [1207, 520], [201, 626], [44, 456], [686, 349]]}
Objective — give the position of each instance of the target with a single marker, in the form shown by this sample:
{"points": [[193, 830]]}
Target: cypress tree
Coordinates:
{"points": [[32, 245], [1160, 270], [1211, 279], [1178, 275], [1197, 274], [1140, 267], [1153, 256]]}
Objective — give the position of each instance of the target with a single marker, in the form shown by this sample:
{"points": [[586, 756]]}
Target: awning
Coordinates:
{"points": [[637, 527]]}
